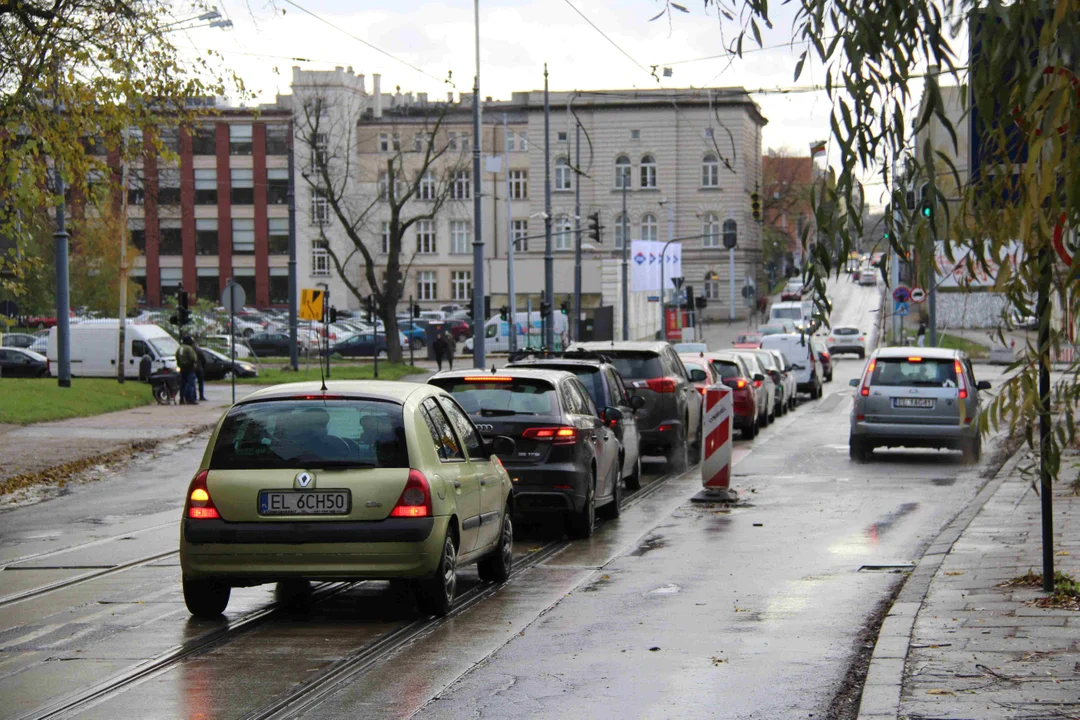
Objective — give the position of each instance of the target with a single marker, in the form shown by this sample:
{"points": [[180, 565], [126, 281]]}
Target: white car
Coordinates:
{"points": [[846, 339], [787, 379], [868, 276]]}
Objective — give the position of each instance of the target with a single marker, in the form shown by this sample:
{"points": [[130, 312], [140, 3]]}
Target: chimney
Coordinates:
{"points": [[376, 90], [450, 96], [363, 87]]}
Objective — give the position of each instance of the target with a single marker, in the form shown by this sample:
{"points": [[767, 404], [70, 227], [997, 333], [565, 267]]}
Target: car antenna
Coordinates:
{"points": [[492, 368], [322, 377]]}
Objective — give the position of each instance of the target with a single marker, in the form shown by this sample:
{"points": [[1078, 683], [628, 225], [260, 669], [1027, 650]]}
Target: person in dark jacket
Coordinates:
{"points": [[146, 367], [187, 360], [439, 348], [200, 370], [451, 349]]}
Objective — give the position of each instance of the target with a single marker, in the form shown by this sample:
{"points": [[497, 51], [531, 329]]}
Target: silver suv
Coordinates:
{"points": [[916, 397]]}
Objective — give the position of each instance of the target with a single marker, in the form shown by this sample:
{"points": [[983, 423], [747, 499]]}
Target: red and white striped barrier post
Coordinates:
{"points": [[716, 460]]}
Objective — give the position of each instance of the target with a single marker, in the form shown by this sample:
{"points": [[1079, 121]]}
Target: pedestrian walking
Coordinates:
{"points": [[451, 348], [187, 360], [146, 367], [200, 370], [921, 336], [439, 348]]}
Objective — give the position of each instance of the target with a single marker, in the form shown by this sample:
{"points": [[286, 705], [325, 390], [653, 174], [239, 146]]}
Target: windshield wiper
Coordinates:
{"points": [[337, 465], [489, 412]]}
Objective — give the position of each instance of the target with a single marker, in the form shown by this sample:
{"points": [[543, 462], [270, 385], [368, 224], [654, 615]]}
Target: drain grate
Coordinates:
{"points": [[888, 568]]}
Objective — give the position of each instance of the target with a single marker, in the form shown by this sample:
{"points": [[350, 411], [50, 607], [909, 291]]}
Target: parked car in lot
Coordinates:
{"points": [[734, 372], [846, 339], [605, 386], [364, 345], [670, 422], [18, 340], [365, 480], [804, 361], [94, 346], [764, 384], [916, 397], [20, 362], [269, 344], [823, 355], [566, 459], [219, 365]]}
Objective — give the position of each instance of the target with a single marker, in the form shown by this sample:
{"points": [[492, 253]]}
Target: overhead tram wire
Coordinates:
{"points": [[368, 44], [605, 36]]}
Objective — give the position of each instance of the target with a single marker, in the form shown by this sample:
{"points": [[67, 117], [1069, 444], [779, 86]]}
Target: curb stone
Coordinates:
{"points": [[885, 677]]}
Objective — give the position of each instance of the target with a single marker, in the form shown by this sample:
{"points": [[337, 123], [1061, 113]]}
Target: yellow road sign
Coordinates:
{"points": [[311, 304]]}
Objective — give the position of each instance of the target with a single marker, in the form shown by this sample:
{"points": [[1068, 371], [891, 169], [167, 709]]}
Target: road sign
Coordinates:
{"points": [[233, 297], [901, 294], [716, 450], [311, 304], [902, 309], [1060, 245], [917, 295]]}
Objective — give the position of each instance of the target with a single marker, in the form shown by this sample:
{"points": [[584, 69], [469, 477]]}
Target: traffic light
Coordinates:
{"points": [[371, 309], [545, 308], [565, 307], [594, 227], [416, 311], [755, 206], [504, 312], [333, 314], [183, 313]]}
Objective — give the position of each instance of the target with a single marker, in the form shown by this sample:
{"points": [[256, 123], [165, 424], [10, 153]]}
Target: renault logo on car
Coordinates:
{"points": [[304, 479]]}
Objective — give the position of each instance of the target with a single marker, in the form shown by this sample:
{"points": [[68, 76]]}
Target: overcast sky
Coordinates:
{"points": [[516, 38]]}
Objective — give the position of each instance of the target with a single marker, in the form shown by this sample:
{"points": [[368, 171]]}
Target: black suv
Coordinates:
{"points": [[670, 421], [566, 458], [605, 387]]}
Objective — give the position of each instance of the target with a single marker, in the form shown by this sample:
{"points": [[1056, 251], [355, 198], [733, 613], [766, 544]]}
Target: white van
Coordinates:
{"points": [[94, 344], [497, 332], [794, 312], [809, 374]]}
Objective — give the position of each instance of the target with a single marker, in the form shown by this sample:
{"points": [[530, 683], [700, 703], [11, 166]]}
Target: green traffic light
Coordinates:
{"points": [[926, 212]]}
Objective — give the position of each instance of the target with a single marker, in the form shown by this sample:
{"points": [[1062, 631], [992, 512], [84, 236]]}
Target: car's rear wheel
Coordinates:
{"points": [[205, 597], [633, 480], [436, 594], [678, 456], [862, 354], [580, 524], [614, 508], [496, 566], [972, 449], [858, 449], [751, 432]]}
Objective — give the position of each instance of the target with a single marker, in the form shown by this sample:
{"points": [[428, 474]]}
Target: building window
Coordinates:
{"points": [[421, 142], [169, 137], [425, 237], [320, 262], [460, 187], [635, 134], [245, 278], [243, 236], [384, 142], [168, 186], [137, 229], [648, 172], [710, 231], [204, 140], [277, 186], [622, 230], [564, 233], [730, 233], [522, 142], [562, 136], [170, 240], [459, 237], [519, 184], [451, 141], [510, 141], [622, 172], [171, 277], [461, 284], [277, 139], [320, 208], [207, 286], [562, 174], [426, 187], [319, 143], [279, 286], [521, 234], [648, 227], [206, 236], [136, 193], [206, 187], [386, 237], [239, 139], [278, 236], [711, 287], [710, 172], [425, 285], [242, 187]]}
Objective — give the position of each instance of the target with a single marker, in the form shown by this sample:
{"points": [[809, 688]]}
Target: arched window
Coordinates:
{"points": [[648, 172], [564, 233], [622, 172], [731, 233], [562, 174], [710, 231], [622, 229], [710, 172], [648, 227]]}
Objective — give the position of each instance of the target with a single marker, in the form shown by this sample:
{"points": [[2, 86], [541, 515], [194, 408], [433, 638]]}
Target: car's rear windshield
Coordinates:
{"points": [[590, 378], [845, 331], [914, 372], [788, 313], [749, 338], [771, 329], [493, 398], [637, 365], [726, 369], [288, 434]]}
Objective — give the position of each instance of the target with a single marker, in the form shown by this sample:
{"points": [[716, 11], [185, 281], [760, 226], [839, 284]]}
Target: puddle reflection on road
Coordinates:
{"points": [[863, 542]]}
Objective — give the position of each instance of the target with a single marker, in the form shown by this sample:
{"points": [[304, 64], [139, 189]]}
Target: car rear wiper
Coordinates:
{"points": [[490, 412], [927, 383]]}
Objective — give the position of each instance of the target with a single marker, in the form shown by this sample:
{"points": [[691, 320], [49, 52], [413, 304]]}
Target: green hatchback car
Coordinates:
{"points": [[360, 480]]}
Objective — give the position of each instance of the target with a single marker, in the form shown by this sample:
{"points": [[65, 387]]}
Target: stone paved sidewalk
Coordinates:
{"points": [[976, 648]]}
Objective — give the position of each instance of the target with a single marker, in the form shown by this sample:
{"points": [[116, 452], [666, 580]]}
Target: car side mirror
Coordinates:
{"points": [[853, 382], [983, 385], [637, 402], [758, 377], [698, 375], [501, 445], [612, 414]]}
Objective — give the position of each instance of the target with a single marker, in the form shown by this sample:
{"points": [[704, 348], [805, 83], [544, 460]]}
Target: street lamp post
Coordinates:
{"points": [[478, 239]]}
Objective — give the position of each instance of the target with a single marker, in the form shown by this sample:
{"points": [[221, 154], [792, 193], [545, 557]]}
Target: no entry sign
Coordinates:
{"points": [[917, 295]]}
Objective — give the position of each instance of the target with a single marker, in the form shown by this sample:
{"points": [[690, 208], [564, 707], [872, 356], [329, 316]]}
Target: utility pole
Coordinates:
{"points": [[294, 355], [731, 278], [510, 243], [577, 233], [549, 259], [625, 261], [122, 314], [63, 309], [1042, 312], [478, 238]]}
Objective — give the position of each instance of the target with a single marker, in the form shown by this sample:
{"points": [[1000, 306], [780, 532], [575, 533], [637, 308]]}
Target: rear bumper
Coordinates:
{"points": [[846, 349], [551, 488], [905, 435], [659, 442]]}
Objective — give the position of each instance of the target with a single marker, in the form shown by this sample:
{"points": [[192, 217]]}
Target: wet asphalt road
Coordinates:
{"points": [[674, 610]]}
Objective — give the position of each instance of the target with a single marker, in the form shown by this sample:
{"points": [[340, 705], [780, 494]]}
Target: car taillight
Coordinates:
{"points": [[735, 383], [832, 339], [703, 389], [757, 383], [657, 385], [865, 390], [415, 500], [824, 356], [200, 506], [554, 435], [961, 381], [862, 339]]}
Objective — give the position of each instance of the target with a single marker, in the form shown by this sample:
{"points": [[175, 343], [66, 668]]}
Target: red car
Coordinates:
{"points": [[737, 375], [747, 341], [41, 321], [460, 329]]}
